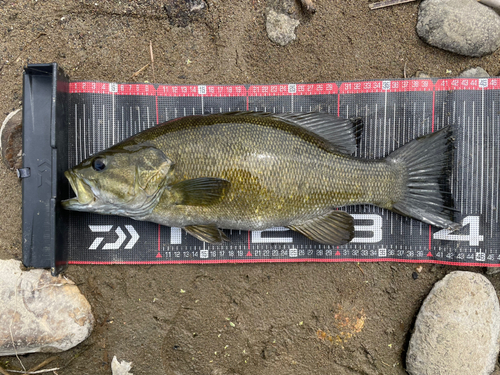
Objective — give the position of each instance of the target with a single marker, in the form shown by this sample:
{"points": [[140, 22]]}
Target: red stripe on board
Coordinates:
{"points": [[430, 237], [293, 89], [111, 88], [433, 109], [338, 105], [159, 252], [467, 84], [159, 236], [156, 103], [201, 90], [76, 262], [363, 87]]}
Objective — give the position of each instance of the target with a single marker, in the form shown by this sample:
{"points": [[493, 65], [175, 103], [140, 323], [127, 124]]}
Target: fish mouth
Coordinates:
{"points": [[84, 195]]}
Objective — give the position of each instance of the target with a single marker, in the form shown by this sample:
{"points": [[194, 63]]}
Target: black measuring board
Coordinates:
{"points": [[45, 158], [394, 111]]}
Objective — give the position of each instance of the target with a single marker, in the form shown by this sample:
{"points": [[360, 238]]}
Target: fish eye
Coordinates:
{"points": [[98, 164]]}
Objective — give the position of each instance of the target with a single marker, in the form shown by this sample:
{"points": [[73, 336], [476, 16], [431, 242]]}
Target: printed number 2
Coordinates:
{"points": [[473, 237]]}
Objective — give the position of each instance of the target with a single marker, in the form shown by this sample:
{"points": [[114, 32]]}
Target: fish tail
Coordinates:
{"points": [[425, 194]]}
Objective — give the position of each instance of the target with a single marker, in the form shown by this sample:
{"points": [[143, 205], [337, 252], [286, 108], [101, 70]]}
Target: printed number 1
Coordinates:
{"points": [[473, 237]]}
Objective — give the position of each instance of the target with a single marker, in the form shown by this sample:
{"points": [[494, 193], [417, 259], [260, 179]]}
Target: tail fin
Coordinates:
{"points": [[427, 161]]}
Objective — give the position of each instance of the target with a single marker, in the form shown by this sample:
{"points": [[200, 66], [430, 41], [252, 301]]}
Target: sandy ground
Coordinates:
{"points": [[230, 319]]}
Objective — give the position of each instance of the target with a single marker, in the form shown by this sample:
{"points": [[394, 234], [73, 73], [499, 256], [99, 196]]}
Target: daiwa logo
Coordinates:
{"points": [[119, 241]]}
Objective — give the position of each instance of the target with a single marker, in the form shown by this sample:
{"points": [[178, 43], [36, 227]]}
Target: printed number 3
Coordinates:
{"points": [[375, 228]]}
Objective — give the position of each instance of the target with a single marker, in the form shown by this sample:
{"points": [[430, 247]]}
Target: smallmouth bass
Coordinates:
{"points": [[253, 171]]}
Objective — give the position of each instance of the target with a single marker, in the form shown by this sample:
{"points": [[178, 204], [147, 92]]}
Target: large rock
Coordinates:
{"points": [[465, 27], [457, 330], [40, 312]]}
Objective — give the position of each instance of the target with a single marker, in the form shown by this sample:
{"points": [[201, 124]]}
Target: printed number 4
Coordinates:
{"points": [[473, 237]]}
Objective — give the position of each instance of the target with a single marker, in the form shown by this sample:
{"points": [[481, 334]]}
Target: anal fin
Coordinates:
{"points": [[335, 228], [207, 233]]}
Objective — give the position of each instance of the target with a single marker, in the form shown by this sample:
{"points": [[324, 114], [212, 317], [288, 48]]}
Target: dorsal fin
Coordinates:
{"points": [[341, 134]]}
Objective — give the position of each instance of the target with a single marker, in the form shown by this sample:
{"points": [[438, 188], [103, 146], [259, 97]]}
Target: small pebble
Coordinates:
{"points": [[492, 270], [120, 368], [421, 74], [280, 28], [477, 72]]}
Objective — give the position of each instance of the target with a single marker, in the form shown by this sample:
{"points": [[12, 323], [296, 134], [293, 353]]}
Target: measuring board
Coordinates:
{"points": [[100, 114]]}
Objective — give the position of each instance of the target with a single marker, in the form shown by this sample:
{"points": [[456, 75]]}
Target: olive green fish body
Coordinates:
{"points": [[255, 171], [278, 176]]}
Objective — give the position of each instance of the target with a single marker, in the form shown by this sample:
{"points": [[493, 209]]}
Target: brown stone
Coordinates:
{"points": [[40, 312], [11, 138]]}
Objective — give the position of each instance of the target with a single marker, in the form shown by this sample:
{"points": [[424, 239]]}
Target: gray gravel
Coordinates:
{"points": [[457, 330], [280, 28], [465, 27], [477, 72]]}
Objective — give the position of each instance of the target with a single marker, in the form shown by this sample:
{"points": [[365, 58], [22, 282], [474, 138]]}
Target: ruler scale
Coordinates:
{"points": [[101, 114]]}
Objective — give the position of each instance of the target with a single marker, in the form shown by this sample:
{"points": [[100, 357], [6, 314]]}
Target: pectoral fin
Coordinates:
{"points": [[202, 191], [335, 228], [207, 233]]}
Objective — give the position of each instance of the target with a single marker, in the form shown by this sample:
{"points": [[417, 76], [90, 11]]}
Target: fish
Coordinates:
{"points": [[254, 170]]}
